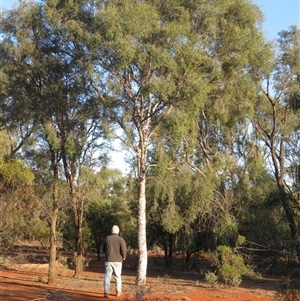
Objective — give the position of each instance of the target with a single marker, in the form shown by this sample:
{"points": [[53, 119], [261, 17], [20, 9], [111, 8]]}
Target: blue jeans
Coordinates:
{"points": [[116, 269]]}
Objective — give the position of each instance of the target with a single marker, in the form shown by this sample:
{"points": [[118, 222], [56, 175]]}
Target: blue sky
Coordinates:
{"points": [[279, 14]]}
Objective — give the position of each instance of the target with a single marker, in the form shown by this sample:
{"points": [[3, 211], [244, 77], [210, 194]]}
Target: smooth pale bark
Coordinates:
{"points": [[142, 241]]}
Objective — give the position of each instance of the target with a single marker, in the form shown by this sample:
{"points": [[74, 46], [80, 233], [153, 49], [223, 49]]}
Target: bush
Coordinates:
{"points": [[230, 267], [211, 278]]}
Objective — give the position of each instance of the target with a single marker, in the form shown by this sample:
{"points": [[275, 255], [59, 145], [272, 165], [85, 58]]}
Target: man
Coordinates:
{"points": [[115, 251]]}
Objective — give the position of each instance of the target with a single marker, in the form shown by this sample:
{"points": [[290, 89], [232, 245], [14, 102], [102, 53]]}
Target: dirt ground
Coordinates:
{"points": [[28, 281]]}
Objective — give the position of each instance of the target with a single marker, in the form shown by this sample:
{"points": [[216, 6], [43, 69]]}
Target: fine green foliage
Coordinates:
{"points": [[230, 266], [211, 278], [16, 198], [14, 172]]}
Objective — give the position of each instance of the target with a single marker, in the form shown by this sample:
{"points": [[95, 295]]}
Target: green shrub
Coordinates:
{"points": [[230, 266], [63, 260], [211, 278], [230, 274]]}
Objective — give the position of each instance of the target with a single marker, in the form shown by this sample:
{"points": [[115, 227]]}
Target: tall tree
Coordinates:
{"points": [[220, 151], [151, 61], [161, 62], [22, 64], [48, 79], [78, 121], [277, 124]]}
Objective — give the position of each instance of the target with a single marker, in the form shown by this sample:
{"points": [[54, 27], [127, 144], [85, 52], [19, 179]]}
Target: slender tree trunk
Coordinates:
{"points": [[53, 247], [171, 239], [78, 217], [142, 238], [187, 261], [168, 248], [166, 253], [53, 225], [79, 251], [77, 208], [278, 162], [142, 244]]}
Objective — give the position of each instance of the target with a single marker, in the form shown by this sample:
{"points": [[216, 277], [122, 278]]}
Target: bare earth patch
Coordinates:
{"points": [[29, 282]]}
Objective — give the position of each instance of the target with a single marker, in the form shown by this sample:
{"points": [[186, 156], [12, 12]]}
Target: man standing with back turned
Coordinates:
{"points": [[115, 251]]}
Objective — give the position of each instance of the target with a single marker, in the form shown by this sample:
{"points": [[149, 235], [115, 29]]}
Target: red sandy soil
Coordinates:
{"points": [[29, 282]]}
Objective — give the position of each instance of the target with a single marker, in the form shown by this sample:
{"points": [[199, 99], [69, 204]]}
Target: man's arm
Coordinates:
{"points": [[123, 249]]}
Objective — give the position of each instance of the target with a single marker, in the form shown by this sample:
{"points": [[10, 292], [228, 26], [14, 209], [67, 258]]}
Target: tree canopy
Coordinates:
{"points": [[207, 106]]}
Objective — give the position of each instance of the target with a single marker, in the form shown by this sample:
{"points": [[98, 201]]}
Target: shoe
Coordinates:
{"points": [[106, 295], [118, 294]]}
